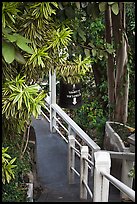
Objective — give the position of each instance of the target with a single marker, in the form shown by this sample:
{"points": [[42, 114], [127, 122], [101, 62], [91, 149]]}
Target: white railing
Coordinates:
{"points": [[102, 178], [83, 174], [99, 162]]}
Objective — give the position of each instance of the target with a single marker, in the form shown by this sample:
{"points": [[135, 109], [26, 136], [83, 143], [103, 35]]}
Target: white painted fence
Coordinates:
{"points": [[89, 153]]}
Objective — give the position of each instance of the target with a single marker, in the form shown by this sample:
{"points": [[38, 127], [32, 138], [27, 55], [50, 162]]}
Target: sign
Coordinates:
{"points": [[70, 95]]}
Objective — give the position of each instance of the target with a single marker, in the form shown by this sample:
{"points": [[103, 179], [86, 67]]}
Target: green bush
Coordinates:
{"points": [[16, 189], [94, 120]]}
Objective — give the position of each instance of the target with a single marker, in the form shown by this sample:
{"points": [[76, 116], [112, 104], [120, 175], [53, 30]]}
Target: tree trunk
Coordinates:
{"points": [[97, 74], [110, 64], [122, 75]]}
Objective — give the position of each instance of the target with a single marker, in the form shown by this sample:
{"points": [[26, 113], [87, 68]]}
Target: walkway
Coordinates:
{"points": [[51, 165]]}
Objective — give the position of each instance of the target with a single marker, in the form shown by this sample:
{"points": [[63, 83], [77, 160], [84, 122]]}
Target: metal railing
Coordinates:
{"points": [[83, 174], [99, 162], [119, 185], [102, 178]]}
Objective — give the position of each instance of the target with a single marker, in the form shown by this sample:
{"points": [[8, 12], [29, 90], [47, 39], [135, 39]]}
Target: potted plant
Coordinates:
{"points": [[118, 139], [116, 136]]}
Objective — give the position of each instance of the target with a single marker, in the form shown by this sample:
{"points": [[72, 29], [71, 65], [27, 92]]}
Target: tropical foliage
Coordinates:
{"points": [[7, 166], [70, 37]]}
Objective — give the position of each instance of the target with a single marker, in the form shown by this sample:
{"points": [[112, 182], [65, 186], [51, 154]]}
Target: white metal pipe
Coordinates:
{"points": [[61, 134], [78, 143], [75, 127], [76, 150], [61, 124], [78, 174], [88, 189], [121, 186], [122, 155], [89, 161], [45, 116]]}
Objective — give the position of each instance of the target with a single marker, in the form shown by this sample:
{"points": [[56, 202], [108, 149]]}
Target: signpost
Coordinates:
{"points": [[70, 95]]}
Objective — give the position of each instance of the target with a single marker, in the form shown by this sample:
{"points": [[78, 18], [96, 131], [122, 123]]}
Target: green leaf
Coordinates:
{"points": [[8, 52], [102, 6], [13, 160], [11, 38], [24, 46], [69, 11], [78, 5], [110, 50], [20, 103], [115, 8], [94, 52], [87, 52], [5, 107], [38, 109], [110, 3], [21, 38], [17, 98], [19, 58], [91, 44], [26, 100], [82, 34], [60, 5], [8, 177], [10, 16], [4, 149], [6, 155]]}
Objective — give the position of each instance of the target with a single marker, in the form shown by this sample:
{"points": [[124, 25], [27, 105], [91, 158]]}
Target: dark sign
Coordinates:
{"points": [[70, 95]]}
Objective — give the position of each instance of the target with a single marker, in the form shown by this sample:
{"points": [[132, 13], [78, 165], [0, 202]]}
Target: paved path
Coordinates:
{"points": [[51, 165]]}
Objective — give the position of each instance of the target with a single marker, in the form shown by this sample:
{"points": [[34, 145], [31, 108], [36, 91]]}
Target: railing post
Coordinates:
{"points": [[52, 90], [83, 172], [71, 131], [126, 167], [71, 158], [101, 184]]}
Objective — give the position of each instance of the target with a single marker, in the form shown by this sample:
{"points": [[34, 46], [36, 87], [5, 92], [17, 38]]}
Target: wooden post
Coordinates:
{"points": [[101, 184], [71, 158], [83, 172], [52, 89]]}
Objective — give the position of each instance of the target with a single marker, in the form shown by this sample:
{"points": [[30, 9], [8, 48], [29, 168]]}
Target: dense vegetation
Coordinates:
{"points": [[71, 38], [89, 39]]}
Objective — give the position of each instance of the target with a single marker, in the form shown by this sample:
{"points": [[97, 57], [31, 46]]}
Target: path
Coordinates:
{"points": [[51, 165]]}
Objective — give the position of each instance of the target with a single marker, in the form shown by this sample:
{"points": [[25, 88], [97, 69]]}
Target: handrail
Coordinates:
{"points": [[121, 186], [75, 127], [102, 162], [122, 155]]}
